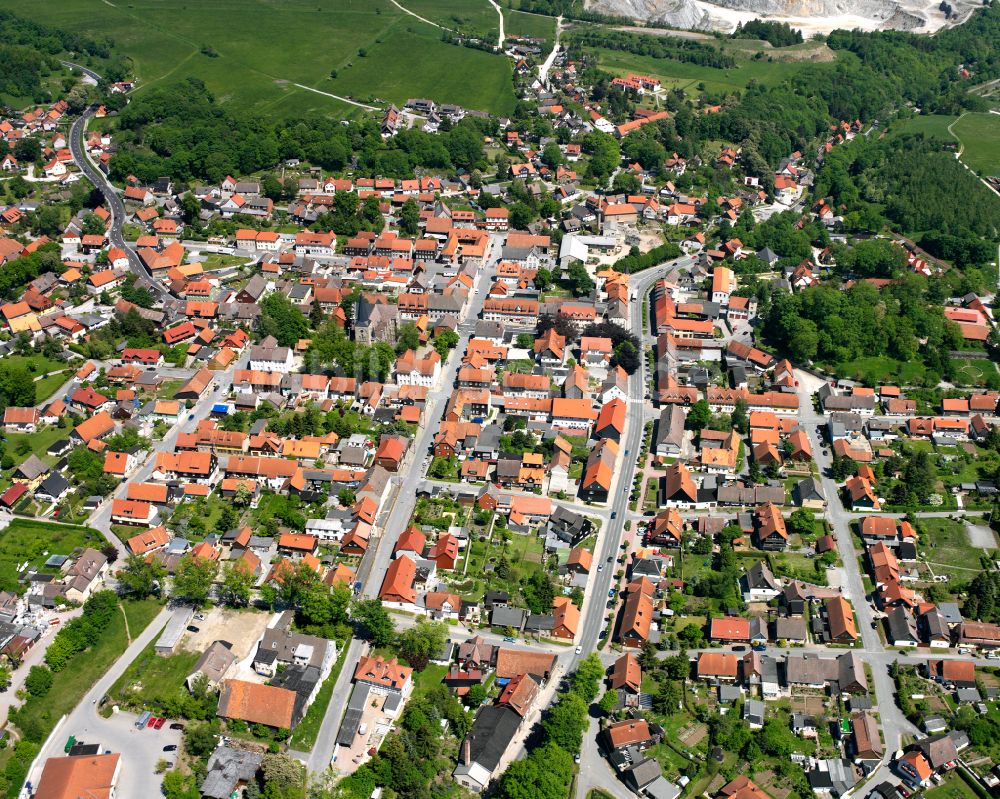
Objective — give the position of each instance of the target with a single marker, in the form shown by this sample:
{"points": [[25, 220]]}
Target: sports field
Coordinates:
{"points": [[980, 137], [252, 52]]}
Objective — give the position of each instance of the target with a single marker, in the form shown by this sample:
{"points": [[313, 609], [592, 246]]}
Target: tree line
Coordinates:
{"points": [[688, 51]]}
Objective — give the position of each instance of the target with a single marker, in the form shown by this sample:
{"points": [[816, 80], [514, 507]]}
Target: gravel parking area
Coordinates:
{"points": [[241, 628], [981, 536]]}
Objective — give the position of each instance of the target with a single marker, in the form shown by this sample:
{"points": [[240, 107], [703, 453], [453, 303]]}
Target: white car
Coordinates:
{"points": [[579, 649]]}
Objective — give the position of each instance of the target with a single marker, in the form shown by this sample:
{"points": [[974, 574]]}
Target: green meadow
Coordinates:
{"points": [[251, 53]]}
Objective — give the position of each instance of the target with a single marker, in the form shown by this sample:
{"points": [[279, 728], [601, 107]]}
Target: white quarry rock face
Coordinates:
{"points": [[811, 16]]}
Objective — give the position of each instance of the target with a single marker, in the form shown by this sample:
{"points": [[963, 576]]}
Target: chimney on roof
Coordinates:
{"points": [[466, 752]]}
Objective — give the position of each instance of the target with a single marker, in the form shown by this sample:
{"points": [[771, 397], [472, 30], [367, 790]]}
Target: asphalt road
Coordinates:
{"points": [[610, 538], [140, 750], [100, 518], [399, 508], [115, 207]]}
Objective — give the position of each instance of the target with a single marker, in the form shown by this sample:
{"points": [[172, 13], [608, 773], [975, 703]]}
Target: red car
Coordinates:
{"points": [[152, 721], [159, 723]]}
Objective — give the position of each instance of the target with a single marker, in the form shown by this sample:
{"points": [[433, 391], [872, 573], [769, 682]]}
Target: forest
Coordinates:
{"points": [[30, 51], [912, 184], [830, 326], [777, 34], [179, 130]]}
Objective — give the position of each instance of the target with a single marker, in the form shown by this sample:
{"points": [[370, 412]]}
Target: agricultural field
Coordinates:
{"points": [[469, 15], [32, 542], [251, 54], [980, 138]]}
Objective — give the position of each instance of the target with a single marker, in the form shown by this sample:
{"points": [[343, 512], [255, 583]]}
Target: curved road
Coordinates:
{"points": [[115, 207], [111, 196]]}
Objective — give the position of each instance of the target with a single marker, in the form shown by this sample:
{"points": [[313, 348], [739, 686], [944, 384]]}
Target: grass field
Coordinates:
{"points": [[39, 365], [946, 545], [151, 680], [304, 737], [471, 15], [954, 787], [880, 369], [29, 541], [973, 371], [519, 23], [980, 137], [264, 47], [688, 77], [935, 125]]}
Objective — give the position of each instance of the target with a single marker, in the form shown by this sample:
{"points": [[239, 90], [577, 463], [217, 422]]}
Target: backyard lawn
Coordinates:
{"points": [[38, 443], [954, 787], [304, 737], [32, 542], [945, 545]]}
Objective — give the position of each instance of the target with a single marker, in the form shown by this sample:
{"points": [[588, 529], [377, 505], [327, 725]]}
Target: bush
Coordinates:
{"points": [[39, 681]]}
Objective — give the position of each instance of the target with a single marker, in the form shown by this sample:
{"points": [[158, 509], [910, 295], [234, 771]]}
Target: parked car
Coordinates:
{"points": [[152, 721], [192, 629], [510, 640], [170, 748], [579, 649], [159, 723], [177, 726]]}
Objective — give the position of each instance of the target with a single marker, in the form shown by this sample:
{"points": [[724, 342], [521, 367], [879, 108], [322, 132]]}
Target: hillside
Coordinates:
{"points": [[253, 53]]}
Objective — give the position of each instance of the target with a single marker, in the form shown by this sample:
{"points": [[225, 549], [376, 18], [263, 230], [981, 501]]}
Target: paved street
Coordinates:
{"points": [[101, 516], [140, 750], [396, 515], [610, 537], [894, 723], [115, 206]]}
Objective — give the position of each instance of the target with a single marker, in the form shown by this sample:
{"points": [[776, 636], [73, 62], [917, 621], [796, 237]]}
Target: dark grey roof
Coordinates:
{"points": [[352, 716], [54, 485], [226, 769], [491, 733]]}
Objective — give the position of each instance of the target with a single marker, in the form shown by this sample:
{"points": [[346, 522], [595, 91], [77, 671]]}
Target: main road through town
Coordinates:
{"points": [[115, 206]]}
